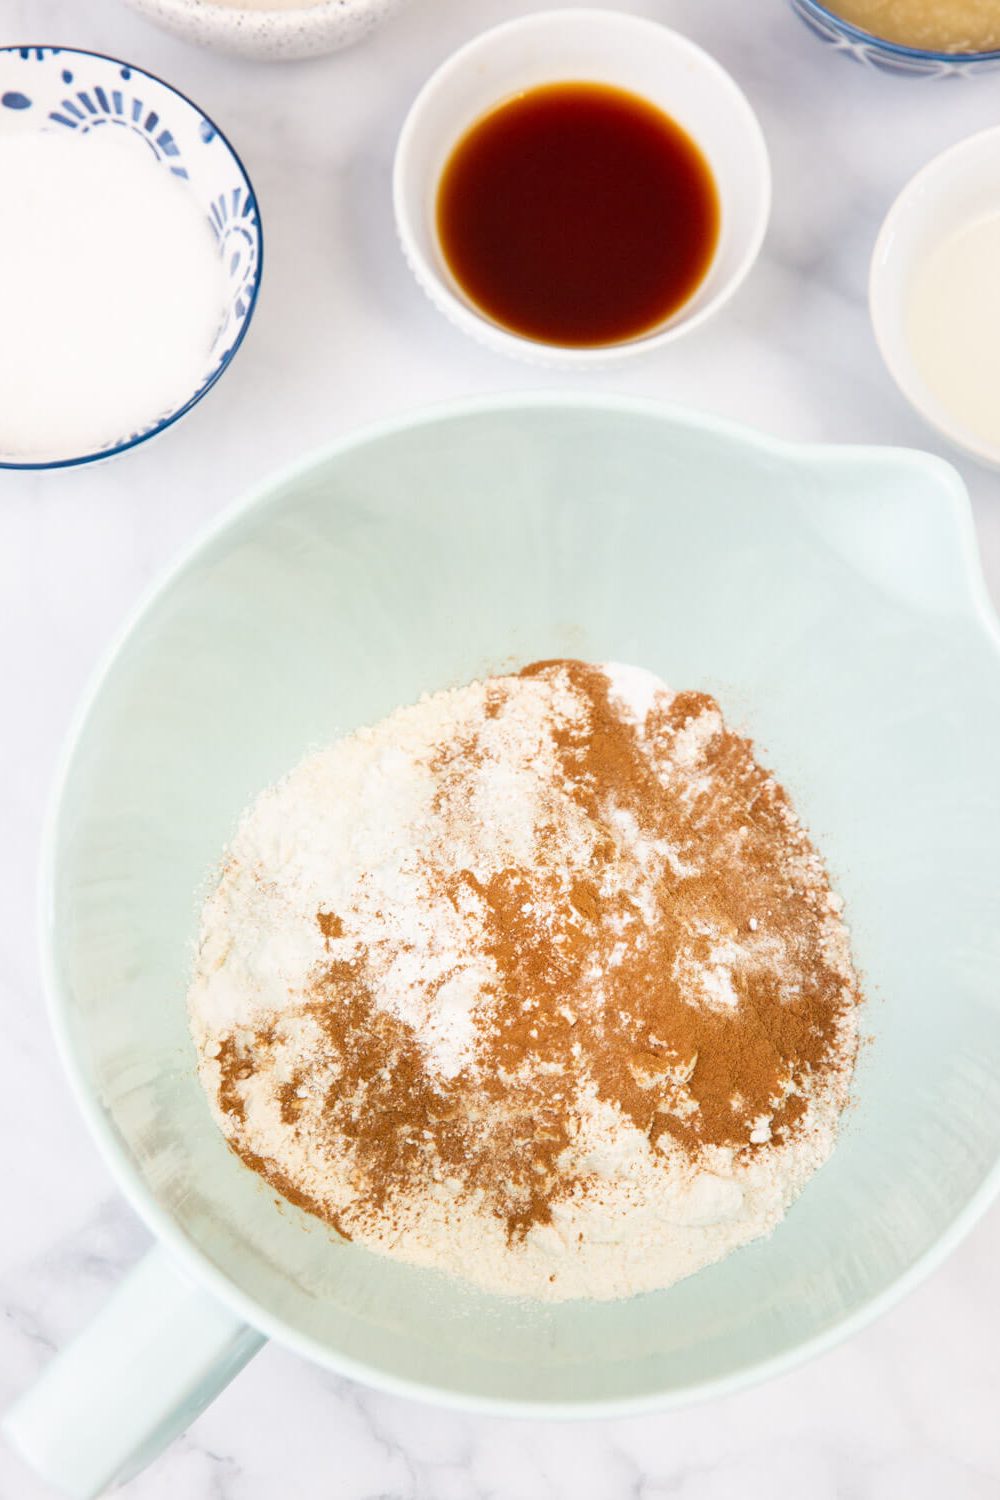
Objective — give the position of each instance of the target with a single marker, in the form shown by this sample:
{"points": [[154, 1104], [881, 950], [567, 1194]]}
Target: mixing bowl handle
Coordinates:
{"points": [[161, 1350]]}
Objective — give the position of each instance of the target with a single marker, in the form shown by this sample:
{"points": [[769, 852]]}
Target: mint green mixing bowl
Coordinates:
{"points": [[830, 597]]}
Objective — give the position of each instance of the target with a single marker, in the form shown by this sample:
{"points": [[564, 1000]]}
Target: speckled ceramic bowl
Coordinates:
{"points": [[260, 29]]}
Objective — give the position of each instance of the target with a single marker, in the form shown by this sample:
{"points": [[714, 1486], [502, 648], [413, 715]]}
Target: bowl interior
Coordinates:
{"points": [[954, 189], [594, 46], [62, 90], [829, 598]]}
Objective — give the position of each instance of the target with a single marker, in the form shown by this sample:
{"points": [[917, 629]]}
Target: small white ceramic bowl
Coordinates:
{"points": [[960, 185], [596, 46], [265, 31]]}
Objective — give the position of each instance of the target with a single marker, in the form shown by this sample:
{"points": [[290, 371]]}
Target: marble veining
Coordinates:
{"points": [[342, 335]]}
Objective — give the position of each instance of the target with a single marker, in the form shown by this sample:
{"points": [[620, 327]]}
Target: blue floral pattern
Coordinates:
{"points": [[889, 57], [59, 89]]}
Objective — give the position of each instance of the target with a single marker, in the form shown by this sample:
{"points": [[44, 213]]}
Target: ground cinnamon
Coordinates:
{"points": [[706, 1004]]}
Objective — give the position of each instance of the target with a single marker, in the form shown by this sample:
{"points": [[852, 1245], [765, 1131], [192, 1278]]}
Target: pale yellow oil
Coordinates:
{"points": [[952, 324]]}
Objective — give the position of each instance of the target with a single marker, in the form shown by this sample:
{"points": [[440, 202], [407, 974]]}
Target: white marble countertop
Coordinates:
{"points": [[343, 335]]}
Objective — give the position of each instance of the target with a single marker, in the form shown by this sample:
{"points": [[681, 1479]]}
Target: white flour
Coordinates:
{"points": [[347, 833]]}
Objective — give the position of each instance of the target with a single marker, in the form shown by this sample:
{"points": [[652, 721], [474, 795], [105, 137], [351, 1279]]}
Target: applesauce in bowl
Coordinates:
{"points": [[954, 26], [910, 38]]}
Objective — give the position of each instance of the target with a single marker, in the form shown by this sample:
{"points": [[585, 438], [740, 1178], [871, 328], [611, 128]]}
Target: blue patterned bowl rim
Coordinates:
{"points": [[175, 416], [895, 49]]}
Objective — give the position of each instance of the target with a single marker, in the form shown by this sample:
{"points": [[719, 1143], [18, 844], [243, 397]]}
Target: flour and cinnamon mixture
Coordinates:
{"points": [[538, 981]]}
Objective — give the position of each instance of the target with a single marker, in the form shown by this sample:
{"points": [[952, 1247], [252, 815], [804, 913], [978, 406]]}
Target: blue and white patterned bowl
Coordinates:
{"points": [[889, 57], [63, 89]]}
